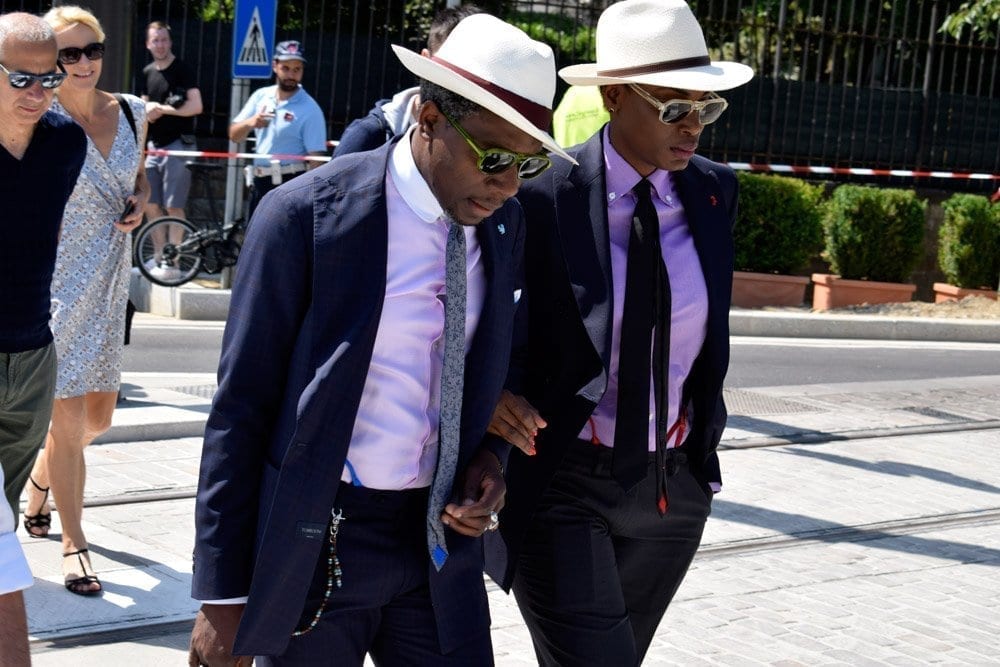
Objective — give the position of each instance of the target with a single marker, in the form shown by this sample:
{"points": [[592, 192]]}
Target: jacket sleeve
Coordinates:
{"points": [[363, 134], [268, 305]]}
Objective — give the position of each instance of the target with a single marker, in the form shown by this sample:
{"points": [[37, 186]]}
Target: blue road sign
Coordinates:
{"points": [[253, 38]]}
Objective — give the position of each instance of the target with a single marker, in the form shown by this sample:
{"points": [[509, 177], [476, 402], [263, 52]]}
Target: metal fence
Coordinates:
{"points": [[841, 83]]}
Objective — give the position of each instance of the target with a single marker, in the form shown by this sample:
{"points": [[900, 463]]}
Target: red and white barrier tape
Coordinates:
{"points": [[858, 171], [220, 155], [739, 166]]}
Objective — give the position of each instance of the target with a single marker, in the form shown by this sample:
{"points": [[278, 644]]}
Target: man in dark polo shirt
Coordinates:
{"points": [[41, 155]]}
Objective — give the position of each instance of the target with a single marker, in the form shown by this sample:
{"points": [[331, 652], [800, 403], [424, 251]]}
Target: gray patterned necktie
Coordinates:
{"points": [[452, 381]]}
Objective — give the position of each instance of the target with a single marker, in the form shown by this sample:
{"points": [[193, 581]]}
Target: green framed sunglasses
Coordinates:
{"points": [[493, 161]]}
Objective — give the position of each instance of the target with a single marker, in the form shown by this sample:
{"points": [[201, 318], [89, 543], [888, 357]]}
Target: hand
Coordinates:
{"points": [[262, 119], [153, 111], [131, 220], [213, 636], [482, 494], [516, 421]]}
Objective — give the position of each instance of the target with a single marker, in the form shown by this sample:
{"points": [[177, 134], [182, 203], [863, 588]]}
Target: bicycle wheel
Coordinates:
{"points": [[168, 251]]}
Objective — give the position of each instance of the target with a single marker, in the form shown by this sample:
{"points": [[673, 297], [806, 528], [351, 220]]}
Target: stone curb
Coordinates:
{"points": [[192, 302]]}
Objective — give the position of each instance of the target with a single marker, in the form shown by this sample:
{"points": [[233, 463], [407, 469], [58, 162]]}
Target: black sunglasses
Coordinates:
{"points": [[71, 54], [21, 80], [497, 160], [673, 111]]}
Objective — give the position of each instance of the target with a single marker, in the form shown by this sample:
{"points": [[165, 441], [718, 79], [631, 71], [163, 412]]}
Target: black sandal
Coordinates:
{"points": [[38, 520], [76, 585]]}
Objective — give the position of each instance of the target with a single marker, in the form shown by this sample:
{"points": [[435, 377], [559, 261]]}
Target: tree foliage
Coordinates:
{"points": [[981, 16]]}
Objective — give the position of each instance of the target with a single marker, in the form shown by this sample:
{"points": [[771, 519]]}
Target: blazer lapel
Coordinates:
{"points": [[707, 217], [582, 218]]}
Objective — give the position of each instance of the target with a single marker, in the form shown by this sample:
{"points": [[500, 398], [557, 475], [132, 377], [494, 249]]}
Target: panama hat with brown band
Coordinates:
{"points": [[656, 43], [497, 66]]}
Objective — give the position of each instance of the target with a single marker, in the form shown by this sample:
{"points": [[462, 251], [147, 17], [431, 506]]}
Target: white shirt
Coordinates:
{"points": [[14, 572]]}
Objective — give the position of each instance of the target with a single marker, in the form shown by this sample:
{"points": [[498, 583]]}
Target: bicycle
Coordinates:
{"points": [[171, 251]]}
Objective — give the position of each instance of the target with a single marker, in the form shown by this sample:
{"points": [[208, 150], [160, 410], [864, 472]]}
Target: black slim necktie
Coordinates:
{"points": [[647, 299]]}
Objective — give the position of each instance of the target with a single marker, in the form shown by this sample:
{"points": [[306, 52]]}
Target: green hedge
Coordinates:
{"points": [[570, 40], [779, 226], [874, 234], [969, 242]]}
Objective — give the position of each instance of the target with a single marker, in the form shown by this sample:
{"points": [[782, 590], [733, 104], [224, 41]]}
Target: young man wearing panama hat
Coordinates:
{"points": [[344, 483], [614, 398]]}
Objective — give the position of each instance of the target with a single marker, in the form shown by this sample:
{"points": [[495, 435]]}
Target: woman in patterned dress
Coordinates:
{"points": [[90, 284]]}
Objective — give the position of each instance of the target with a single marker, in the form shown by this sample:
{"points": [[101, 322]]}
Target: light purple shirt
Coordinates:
{"points": [[689, 297], [394, 442]]}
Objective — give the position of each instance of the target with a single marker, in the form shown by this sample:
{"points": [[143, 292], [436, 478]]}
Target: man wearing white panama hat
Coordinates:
{"points": [[344, 483], [614, 398]]}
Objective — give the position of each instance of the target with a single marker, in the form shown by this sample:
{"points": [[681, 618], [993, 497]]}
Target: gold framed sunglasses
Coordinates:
{"points": [[673, 111], [22, 80], [494, 161]]}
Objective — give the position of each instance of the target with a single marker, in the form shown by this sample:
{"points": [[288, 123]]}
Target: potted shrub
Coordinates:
{"points": [[778, 230], [874, 238], [968, 248]]}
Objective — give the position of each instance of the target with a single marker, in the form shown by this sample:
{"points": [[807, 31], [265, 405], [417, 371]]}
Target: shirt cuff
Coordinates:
{"points": [[715, 486], [15, 575], [241, 600]]}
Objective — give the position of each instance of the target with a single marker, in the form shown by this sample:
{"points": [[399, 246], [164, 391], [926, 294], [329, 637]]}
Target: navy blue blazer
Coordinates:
{"points": [[563, 329], [295, 354]]}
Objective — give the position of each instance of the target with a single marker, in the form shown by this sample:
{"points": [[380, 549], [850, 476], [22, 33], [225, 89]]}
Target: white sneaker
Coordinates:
{"points": [[166, 272]]}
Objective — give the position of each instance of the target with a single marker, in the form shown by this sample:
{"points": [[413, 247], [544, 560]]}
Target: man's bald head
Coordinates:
{"points": [[24, 28]]}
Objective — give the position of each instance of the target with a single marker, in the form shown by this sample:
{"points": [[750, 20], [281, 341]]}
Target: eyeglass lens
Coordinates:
{"points": [[709, 112], [23, 80], [495, 161], [71, 54]]}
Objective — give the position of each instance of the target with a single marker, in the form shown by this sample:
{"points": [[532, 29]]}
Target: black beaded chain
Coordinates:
{"points": [[333, 571]]}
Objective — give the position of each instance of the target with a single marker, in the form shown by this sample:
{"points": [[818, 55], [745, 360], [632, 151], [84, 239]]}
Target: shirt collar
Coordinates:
{"points": [[410, 183], [621, 177]]}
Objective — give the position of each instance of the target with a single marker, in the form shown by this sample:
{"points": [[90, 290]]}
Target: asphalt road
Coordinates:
{"points": [[756, 361]]}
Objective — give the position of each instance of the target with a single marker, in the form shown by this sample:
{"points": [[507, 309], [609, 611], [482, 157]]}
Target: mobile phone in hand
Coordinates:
{"points": [[129, 207]]}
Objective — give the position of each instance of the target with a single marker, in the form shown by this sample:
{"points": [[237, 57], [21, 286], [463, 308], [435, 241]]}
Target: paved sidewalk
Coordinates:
{"points": [[843, 548]]}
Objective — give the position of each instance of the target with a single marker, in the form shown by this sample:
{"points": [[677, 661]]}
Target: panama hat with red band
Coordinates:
{"points": [[497, 66]]}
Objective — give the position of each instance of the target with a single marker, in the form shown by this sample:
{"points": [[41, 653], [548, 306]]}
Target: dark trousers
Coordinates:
{"points": [[384, 606], [599, 566], [27, 385]]}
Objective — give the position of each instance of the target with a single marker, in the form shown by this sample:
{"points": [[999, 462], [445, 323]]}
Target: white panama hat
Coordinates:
{"points": [[497, 66], [657, 43]]}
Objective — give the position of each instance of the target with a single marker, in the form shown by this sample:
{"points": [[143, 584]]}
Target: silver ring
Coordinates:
{"points": [[494, 521]]}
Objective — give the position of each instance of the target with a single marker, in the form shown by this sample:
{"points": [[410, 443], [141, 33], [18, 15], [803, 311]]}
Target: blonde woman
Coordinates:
{"points": [[90, 284]]}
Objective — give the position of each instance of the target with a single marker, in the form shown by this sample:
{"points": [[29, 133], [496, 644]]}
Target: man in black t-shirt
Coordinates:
{"points": [[41, 155], [172, 99]]}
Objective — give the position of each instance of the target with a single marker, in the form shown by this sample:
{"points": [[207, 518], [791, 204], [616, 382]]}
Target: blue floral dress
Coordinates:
{"points": [[91, 279]]}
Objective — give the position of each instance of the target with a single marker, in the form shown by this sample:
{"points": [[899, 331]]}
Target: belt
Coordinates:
{"points": [[260, 172]]}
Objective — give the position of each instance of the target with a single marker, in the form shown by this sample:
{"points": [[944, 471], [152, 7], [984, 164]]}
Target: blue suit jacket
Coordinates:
{"points": [[563, 332], [296, 351]]}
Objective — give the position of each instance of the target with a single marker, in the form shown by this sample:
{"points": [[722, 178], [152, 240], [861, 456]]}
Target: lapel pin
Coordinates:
{"points": [[712, 200], [501, 229]]}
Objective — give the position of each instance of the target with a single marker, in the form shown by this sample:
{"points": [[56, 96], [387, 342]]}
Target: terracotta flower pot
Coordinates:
{"points": [[945, 292], [832, 291], [753, 290]]}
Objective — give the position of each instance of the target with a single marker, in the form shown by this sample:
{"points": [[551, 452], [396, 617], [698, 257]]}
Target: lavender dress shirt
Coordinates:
{"points": [[689, 297], [394, 442]]}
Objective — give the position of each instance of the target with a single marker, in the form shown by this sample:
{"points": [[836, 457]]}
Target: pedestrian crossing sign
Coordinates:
{"points": [[253, 38]]}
